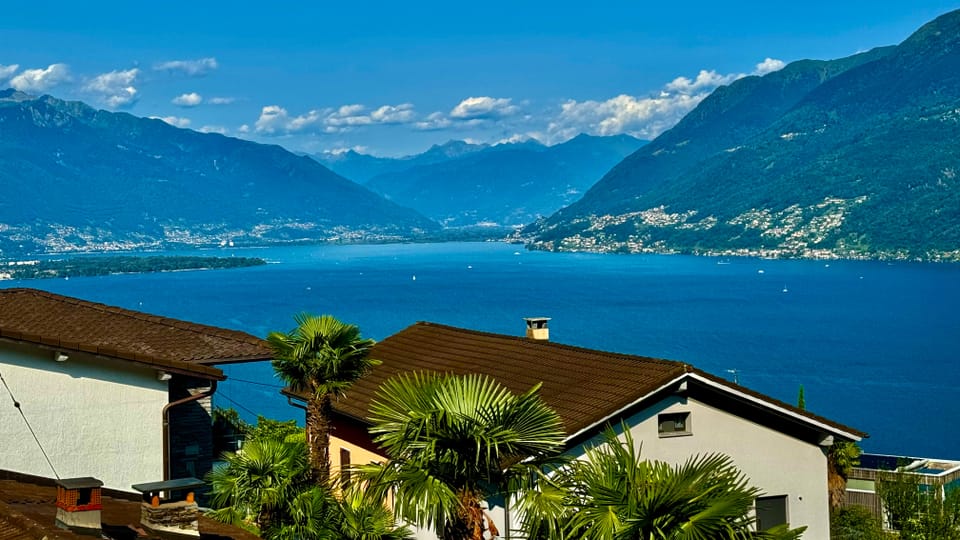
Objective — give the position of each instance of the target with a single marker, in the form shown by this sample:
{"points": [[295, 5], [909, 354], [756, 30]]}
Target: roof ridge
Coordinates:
{"points": [[179, 324], [550, 344]]}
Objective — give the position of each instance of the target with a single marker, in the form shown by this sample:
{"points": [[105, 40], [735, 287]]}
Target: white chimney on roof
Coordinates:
{"points": [[537, 328]]}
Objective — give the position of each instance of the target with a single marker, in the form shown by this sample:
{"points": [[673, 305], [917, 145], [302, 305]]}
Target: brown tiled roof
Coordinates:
{"points": [[28, 512], [584, 386], [71, 324]]}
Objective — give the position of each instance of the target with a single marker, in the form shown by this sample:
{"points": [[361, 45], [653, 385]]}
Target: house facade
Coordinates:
{"points": [[116, 394], [672, 409]]}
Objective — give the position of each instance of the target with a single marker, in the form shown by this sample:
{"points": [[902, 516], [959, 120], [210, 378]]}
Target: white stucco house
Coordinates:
{"points": [[673, 409], [115, 394]]}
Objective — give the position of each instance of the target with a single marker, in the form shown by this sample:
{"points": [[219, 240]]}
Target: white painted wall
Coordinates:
{"points": [[95, 417], [776, 463]]}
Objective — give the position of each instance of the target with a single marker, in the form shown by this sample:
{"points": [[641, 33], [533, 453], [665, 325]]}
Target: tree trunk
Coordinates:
{"points": [[468, 521], [836, 485], [318, 438]]}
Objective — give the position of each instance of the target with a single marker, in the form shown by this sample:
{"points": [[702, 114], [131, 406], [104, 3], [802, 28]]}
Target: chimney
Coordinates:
{"points": [[176, 513], [78, 505], [537, 328]]}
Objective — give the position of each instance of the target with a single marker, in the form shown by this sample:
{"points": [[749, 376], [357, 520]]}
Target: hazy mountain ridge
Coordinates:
{"points": [[852, 157], [506, 184], [78, 178]]}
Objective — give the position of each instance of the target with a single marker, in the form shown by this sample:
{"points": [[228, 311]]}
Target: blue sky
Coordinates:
{"points": [[392, 78]]}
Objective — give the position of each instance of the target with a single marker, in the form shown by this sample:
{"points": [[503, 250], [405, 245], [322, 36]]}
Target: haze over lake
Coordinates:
{"points": [[874, 344]]}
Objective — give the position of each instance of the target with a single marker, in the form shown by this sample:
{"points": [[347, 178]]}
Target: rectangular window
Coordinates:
{"points": [[345, 466], [674, 424], [771, 511]]}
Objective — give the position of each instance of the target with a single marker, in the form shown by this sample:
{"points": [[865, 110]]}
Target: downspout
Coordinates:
{"points": [[166, 423]]}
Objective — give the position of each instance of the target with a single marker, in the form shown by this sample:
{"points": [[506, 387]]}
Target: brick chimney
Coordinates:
{"points": [[176, 513], [537, 328], [78, 505]]}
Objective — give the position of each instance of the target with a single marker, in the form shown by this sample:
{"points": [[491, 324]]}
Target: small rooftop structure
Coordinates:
{"points": [[28, 512], [537, 328], [79, 505], [170, 506]]}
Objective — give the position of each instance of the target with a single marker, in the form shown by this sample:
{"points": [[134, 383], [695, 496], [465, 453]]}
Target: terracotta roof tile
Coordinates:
{"points": [[28, 512], [584, 386], [72, 324]]}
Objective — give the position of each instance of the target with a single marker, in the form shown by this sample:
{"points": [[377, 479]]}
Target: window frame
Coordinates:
{"points": [[683, 416]]}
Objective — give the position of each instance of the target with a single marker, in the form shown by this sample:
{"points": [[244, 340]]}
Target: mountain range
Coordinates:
{"points": [[77, 178], [855, 157], [511, 184]]}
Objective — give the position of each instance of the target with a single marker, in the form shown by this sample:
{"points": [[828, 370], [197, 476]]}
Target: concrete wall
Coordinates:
{"points": [[776, 463], [95, 417]]}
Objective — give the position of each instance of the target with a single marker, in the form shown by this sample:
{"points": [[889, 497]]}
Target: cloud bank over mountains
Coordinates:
{"points": [[645, 114]]}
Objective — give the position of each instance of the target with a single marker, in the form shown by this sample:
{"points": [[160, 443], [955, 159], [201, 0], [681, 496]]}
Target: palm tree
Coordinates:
{"points": [[321, 357], [613, 494], [266, 487], [256, 484], [453, 442], [841, 458]]}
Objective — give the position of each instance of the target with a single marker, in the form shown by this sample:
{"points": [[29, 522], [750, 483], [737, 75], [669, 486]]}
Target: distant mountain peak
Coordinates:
{"points": [[15, 95]]}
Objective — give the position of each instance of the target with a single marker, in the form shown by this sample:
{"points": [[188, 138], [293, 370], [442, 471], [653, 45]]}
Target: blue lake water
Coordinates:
{"points": [[875, 345]]}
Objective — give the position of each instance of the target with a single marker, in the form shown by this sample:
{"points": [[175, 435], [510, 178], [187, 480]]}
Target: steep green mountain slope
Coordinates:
{"points": [[78, 178], [507, 184], [855, 157]]}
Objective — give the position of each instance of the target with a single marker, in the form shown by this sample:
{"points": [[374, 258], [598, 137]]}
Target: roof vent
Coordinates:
{"points": [[175, 514], [78, 505], [537, 328]]}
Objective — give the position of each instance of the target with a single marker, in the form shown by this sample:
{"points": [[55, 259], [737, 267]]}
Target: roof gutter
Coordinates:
{"points": [[166, 423]]}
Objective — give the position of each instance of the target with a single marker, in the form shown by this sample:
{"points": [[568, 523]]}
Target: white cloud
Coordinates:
{"points": [[191, 99], [174, 120], [213, 129], [274, 119], [192, 68], [38, 80], [433, 122], [244, 128], [7, 71], [645, 117], [769, 65], [221, 100], [393, 114], [115, 88], [706, 80], [483, 107]]}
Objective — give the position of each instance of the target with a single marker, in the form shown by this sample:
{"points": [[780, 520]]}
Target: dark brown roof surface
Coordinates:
{"points": [[28, 512], [584, 386], [71, 324]]}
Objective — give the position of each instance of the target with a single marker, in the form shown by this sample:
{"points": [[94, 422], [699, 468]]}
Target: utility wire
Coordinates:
{"points": [[255, 382], [226, 397], [16, 404]]}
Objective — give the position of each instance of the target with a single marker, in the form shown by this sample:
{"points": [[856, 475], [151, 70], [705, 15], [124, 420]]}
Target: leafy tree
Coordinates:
{"points": [[856, 523], [613, 494], [321, 357], [452, 442], [919, 512]]}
